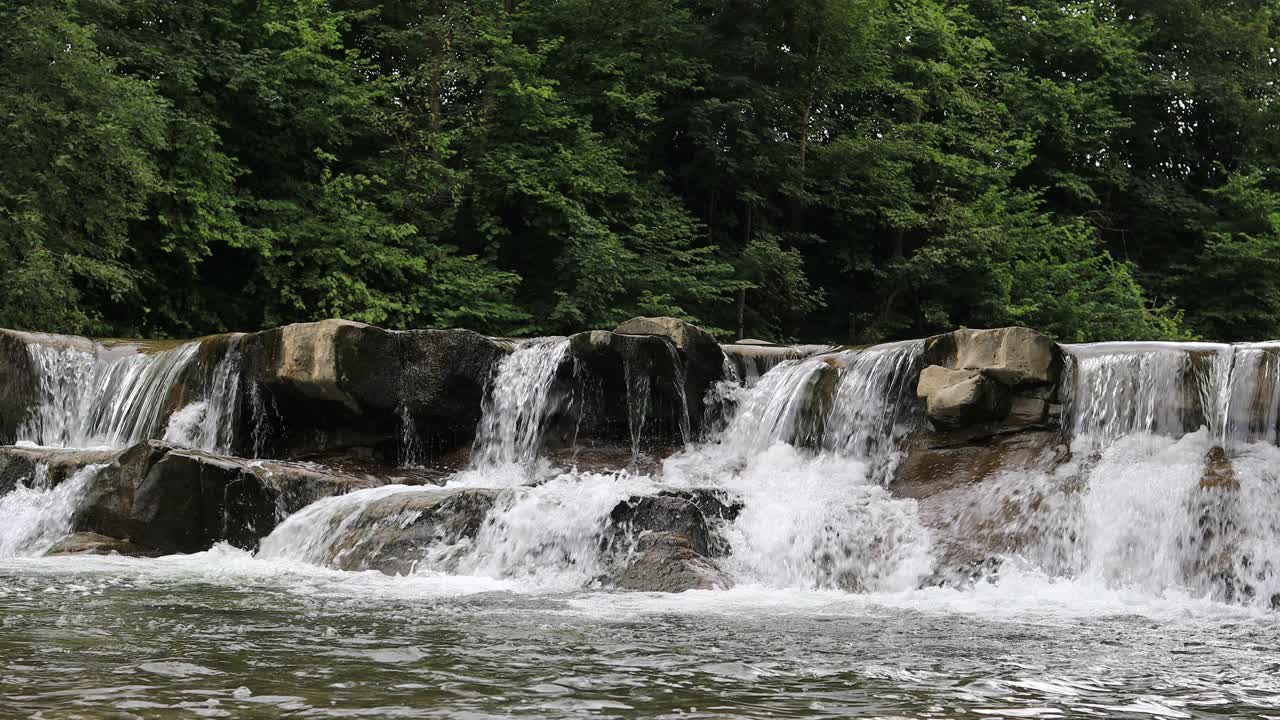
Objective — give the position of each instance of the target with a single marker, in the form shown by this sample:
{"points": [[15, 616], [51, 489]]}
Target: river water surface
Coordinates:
{"points": [[221, 634]]}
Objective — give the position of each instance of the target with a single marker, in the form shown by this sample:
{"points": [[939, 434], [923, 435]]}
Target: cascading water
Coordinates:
{"points": [[103, 399], [1170, 485], [38, 513], [806, 454], [520, 403]]}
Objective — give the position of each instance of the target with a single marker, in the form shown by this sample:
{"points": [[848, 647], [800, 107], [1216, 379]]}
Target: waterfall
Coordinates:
{"points": [[806, 454], [108, 398], [520, 403], [38, 513], [1172, 484], [210, 422]]}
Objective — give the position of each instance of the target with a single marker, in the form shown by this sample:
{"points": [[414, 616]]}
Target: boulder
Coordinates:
{"points": [[752, 359], [394, 533], [1013, 355], [935, 378], [666, 542], [703, 359], [443, 381], [990, 381], [336, 386], [172, 499], [1027, 412], [321, 386], [974, 399], [697, 344], [86, 543], [619, 381], [926, 471], [23, 463], [666, 562]]}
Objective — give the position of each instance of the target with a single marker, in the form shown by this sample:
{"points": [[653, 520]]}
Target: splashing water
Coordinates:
{"points": [[548, 537], [38, 513], [805, 454], [1170, 486]]}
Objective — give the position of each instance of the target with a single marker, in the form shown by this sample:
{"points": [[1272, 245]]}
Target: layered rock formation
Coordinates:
{"points": [[164, 499], [341, 406]]}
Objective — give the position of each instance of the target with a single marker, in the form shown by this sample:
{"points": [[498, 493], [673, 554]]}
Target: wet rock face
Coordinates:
{"points": [[339, 386], [667, 562], [19, 390], [17, 386], [982, 501], [319, 386], [393, 534], [443, 381], [21, 464], [87, 543], [667, 542], [990, 381], [169, 499], [702, 356], [619, 380]]}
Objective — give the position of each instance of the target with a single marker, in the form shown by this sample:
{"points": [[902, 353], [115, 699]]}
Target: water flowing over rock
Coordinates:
{"points": [[169, 499], [39, 512], [652, 458], [523, 401]]}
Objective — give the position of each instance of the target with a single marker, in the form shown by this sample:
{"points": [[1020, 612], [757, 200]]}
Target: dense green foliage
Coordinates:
{"points": [[847, 170]]}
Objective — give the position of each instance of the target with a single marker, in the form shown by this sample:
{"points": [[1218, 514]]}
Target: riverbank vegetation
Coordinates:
{"points": [[850, 170]]}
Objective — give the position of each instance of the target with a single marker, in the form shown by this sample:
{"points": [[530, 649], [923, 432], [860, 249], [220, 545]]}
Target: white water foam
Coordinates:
{"points": [[38, 513], [805, 454]]}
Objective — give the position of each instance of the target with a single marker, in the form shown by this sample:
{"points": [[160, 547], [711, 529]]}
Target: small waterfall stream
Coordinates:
{"points": [[209, 423], [1172, 484], [114, 397], [520, 403]]}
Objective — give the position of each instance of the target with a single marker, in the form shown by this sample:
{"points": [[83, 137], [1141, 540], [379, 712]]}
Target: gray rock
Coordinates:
{"points": [[342, 387], [935, 378], [973, 400], [394, 533], [666, 562], [703, 359], [319, 387], [610, 373], [1027, 412], [444, 376], [1013, 355], [86, 543], [666, 542], [22, 464], [171, 499]]}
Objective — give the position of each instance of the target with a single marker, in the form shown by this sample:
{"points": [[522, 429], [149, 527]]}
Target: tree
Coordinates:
{"points": [[80, 143]]}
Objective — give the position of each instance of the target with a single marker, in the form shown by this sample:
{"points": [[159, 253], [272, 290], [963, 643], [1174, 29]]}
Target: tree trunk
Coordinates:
{"points": [[742, 313]]}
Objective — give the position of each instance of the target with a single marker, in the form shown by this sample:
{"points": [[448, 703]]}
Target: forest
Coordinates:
{"points": [[850, 171]]}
